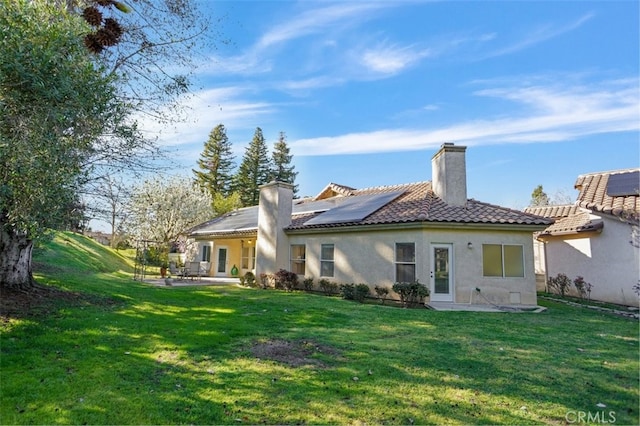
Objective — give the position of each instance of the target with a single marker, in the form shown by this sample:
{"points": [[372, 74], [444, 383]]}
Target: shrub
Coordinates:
{"points": [[328, 287], [411, 293], [307, 283], [248, 279], [361, 291], [382, 293], [560, 284], [347, 290], [583, 287], [286, 280], [267, 280]]}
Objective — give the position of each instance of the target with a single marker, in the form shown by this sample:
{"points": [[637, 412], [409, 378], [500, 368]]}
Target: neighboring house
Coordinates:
{"points": [[426, 231], [596, 238]]}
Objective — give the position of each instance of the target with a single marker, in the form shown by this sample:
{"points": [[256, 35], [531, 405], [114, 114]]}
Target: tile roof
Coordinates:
{"points": [[418, 203], [574, 224], [554, 212], [593, 196]]}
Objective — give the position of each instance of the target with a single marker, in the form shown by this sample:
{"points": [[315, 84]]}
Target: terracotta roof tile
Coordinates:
{"points": [[574, 224], [419, 203], [554, 212], [593, 195]]}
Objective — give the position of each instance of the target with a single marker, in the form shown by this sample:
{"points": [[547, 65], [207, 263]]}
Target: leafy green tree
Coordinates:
{"points": [[254, 171], [539, 197], [216, 164], [56, 100], [283, 170]]}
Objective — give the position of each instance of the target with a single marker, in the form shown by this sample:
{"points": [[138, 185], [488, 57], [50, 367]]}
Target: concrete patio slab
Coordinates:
{"points": [[449, 306]]}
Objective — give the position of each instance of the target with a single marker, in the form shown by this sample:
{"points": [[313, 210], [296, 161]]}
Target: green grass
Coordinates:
{"points": [[136, 354]]}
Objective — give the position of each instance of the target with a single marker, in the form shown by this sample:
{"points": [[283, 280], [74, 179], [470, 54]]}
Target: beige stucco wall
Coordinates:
{"points": [[368, 257], [607, 260]]}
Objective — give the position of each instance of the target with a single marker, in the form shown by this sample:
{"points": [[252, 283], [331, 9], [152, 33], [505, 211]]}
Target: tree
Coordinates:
{"points": [[216, 164], [163, 209], [254, 171], [56, 100], [539, 197], [110, 195], [282, 168]]}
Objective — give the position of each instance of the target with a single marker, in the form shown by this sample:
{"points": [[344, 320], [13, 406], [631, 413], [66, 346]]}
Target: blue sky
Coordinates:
{"points": [[366, 92]]}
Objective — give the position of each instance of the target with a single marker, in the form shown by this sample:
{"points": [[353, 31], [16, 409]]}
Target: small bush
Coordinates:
{"points": [[411, 293], [248, 279], [583, 287], [286, 280], [267, 280], [307, 283], [560, 284], [361, 291], [347, 290], [327, 286], [382, 293]]}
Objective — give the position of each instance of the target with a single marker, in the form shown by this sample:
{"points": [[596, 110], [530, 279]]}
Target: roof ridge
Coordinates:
{"points": [[399, 185], [610, 172]]}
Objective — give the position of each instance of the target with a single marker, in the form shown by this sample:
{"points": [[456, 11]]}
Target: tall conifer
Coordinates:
{"points": [[283, 170], [254, 171], [216, 164]]}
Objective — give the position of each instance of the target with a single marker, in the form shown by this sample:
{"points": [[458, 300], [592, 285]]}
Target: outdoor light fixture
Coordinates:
{"points": [[469, 245]]}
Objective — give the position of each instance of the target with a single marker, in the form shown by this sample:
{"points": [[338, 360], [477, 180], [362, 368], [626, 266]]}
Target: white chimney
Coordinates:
{"points": [[274, 214], [449, 174]]}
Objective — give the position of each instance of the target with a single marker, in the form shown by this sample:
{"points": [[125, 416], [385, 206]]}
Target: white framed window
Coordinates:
{"points": [[326, 260], [206, 253], [503, 260], [248, 257], [298, 258], [405, 262]]}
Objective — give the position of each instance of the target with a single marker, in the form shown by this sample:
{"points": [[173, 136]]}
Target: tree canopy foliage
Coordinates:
{"points": [[254, 171], [161, 209], [283, 170]]}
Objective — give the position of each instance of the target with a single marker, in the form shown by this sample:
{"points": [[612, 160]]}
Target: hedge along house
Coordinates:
{"points": [[425, 231]]}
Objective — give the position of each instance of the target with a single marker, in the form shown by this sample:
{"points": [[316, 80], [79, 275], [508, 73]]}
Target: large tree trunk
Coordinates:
{"points": [[15, 260]]}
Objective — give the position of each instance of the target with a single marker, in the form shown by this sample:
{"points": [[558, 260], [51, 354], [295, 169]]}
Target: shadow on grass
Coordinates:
{"points": [[183, 356]]}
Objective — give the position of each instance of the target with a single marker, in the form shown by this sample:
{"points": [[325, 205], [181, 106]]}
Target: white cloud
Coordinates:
{"points": [[391, 59], [540, 35], [550, 115]]}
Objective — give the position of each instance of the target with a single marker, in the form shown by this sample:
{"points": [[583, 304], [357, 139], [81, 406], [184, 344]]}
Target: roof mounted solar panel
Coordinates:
{"points": [[354, 209], [624, 184]]}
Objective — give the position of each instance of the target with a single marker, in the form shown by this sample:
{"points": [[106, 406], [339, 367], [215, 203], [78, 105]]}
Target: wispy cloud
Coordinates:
{"points": [[546, 114], [391, 59], [259, 57], [539, 35], [204, 110]]}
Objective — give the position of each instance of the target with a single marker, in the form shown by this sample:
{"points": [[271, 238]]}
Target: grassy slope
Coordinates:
{"points": [[182, 355]]}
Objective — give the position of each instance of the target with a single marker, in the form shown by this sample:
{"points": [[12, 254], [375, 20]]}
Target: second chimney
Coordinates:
{"points": [[449, 174]]}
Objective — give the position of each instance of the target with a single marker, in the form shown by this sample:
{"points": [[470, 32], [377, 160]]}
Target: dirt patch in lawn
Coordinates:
{"points": [[295, 353]]}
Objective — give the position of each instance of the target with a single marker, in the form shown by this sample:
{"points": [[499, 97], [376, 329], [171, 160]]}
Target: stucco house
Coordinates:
{"points": [[427, 231], [596, 238]]}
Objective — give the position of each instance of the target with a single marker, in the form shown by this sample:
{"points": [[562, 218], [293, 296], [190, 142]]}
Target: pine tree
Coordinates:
{"points": [[254, 171], [216, 164], [282, 168], [539, 197]]}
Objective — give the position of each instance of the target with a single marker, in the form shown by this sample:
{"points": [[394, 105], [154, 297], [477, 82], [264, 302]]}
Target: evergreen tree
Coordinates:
{"points": [[254, 171], [282, 168], [539, 197], [216, 164]]}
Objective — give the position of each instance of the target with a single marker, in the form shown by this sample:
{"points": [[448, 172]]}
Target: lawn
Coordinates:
{"points": [[122, 352]]}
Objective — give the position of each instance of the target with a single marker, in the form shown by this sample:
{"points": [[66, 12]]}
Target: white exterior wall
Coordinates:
{"points": [[607, 260], [369, 257]]}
